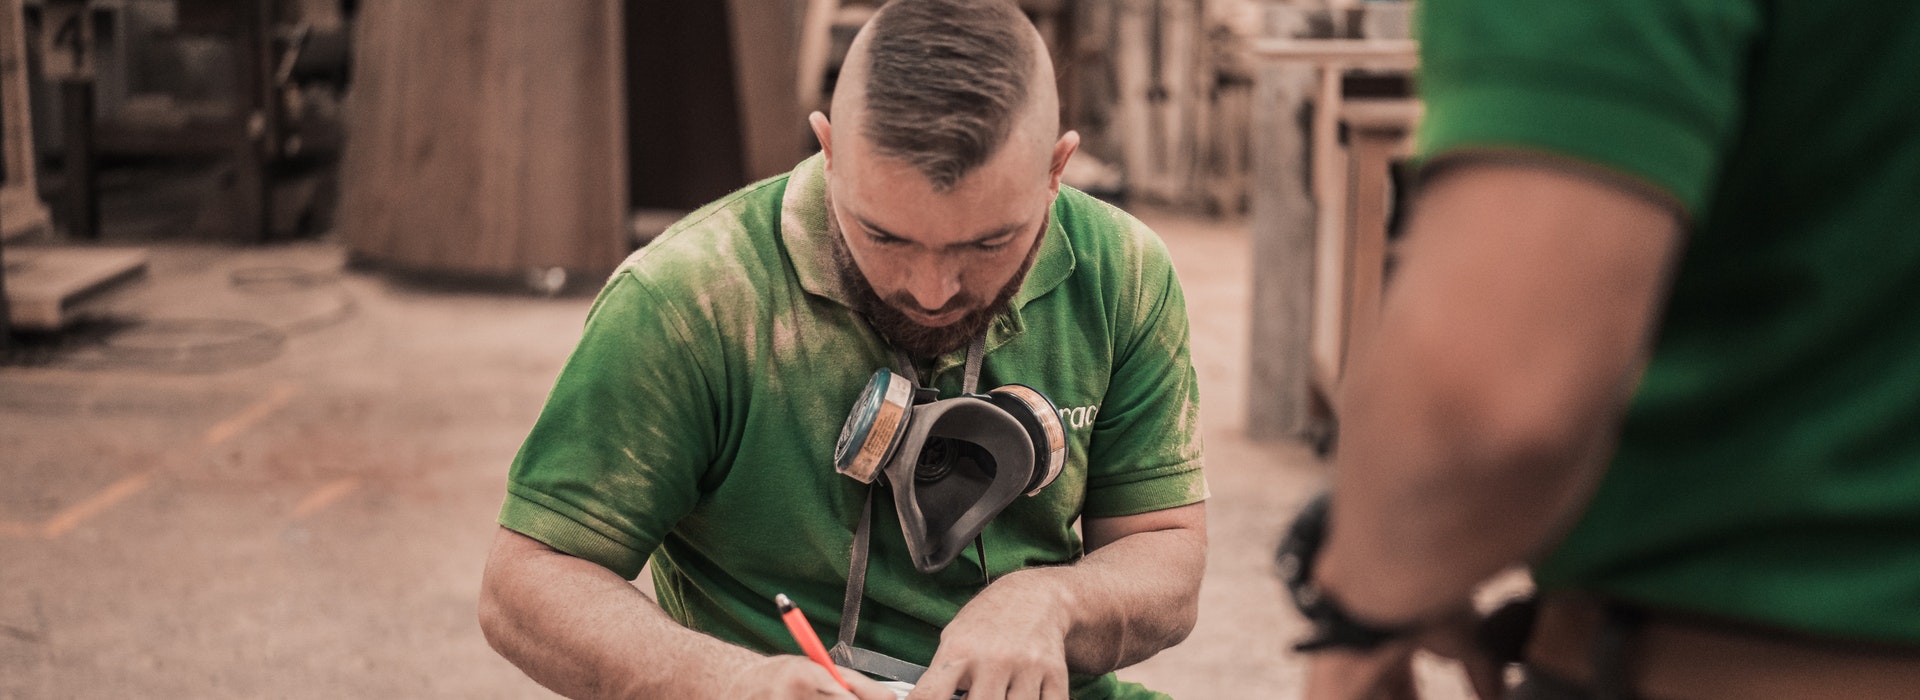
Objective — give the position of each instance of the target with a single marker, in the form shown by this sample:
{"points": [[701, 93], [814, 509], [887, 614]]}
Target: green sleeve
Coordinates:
{"points": [[1145, 449], [1652, 89], [616, 457]]}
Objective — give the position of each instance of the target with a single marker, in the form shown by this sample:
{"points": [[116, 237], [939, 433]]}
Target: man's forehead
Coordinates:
{"points": [[971, 232], [910, 219]]}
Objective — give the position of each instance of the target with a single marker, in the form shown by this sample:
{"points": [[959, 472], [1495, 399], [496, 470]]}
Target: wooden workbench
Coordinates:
{"points": [[1305, 290]]}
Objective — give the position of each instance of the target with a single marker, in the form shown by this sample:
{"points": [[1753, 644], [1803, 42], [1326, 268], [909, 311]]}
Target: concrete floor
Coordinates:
{"points": [[284, 485]]}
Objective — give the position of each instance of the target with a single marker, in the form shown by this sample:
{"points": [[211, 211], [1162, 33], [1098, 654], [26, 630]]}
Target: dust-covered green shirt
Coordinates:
{"points": [[694, 425]]}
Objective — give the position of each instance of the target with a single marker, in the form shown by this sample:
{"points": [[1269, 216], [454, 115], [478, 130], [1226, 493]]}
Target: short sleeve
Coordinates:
{"points": [[616, 457], [1652, 89], [1145, 450]]}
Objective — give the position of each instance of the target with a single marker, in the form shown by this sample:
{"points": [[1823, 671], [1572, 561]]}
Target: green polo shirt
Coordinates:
{"points": [[694, 425], [1769, 466]]}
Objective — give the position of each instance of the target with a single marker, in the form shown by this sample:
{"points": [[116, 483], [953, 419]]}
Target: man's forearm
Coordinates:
{"points": [[1417, 524], [583, 632], [1477, 416], [1127, 600]]}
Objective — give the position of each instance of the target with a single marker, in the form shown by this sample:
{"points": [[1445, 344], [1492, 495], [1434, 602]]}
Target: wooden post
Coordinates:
{"points": [[21, 211], [67, 58], [6, 313], [1380, 131], [816, 39], [1133, 114], [78, 208], [255, 146], [765, 37], [1180, 26], [1280, 403]]}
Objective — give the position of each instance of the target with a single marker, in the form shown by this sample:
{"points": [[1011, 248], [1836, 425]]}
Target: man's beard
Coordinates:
{"points": [[917, 341]]}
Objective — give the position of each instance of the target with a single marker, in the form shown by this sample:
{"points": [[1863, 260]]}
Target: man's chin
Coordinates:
{"points": [[927, 342], [935, 323]]}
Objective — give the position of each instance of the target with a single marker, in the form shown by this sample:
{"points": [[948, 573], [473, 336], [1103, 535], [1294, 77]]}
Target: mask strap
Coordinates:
{"points": [[906, 367], [970, 383], [976, 352], [844, 652], [856, 575]]}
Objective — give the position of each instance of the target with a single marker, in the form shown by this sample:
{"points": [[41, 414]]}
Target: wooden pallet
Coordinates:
{"points": [[45, 284]]}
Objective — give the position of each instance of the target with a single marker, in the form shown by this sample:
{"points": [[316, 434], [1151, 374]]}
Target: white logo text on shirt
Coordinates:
{"points": [[1079, 417]]}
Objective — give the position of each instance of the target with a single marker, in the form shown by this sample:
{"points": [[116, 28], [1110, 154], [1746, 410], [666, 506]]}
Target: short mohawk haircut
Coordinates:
{"points": [[945, 81]]}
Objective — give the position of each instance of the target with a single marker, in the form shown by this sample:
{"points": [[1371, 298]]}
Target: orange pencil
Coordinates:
{"points": [[809, 642]]}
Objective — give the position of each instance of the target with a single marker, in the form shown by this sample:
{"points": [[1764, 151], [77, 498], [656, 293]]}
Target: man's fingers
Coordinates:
{"points": [[1056, 685], [798, 676], [939, 682], [986, 683], [1026, 685], [865, 688]]}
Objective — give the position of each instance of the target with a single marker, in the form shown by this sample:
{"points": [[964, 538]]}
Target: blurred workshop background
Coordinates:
{"points": [[286, 282]]}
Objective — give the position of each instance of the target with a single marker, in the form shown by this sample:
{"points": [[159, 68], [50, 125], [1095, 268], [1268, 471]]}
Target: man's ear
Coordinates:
{"points": [[824, 131], [1062, 152]]}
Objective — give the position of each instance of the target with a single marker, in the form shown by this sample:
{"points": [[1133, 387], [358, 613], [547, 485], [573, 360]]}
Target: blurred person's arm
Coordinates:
{"points": [[584, 632], [1478, 416], [1135, 593]]}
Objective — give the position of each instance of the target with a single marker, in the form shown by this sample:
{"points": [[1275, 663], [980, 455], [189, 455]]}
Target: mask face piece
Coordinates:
{"points": [[952, 464]]}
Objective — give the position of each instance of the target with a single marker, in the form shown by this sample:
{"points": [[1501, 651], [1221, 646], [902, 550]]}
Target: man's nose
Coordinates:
{"points": [[934, 286]]}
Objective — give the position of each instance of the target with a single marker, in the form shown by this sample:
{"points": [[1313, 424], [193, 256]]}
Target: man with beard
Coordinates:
{"points": [[694, 428]]}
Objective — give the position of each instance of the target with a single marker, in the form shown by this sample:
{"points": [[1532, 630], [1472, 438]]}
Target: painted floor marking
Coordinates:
{"points": [[324, 496], [225, 430], [77, 513], [275, 399]]}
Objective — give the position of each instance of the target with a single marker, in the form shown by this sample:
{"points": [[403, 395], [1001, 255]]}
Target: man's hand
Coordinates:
{"points": [[1008, 643], [796, 678], [1135, 593]]}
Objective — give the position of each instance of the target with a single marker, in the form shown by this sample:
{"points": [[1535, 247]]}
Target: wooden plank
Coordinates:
{"points": [[487, 137], [1377, 53], [1394, 118], [44, 284]]}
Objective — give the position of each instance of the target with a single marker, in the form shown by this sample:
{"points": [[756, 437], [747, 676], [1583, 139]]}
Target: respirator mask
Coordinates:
{"points": [[952, 464]]}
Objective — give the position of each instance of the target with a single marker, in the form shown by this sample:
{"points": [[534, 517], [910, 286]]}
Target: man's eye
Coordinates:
{"points": [[994, 244], [885, 240]]}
